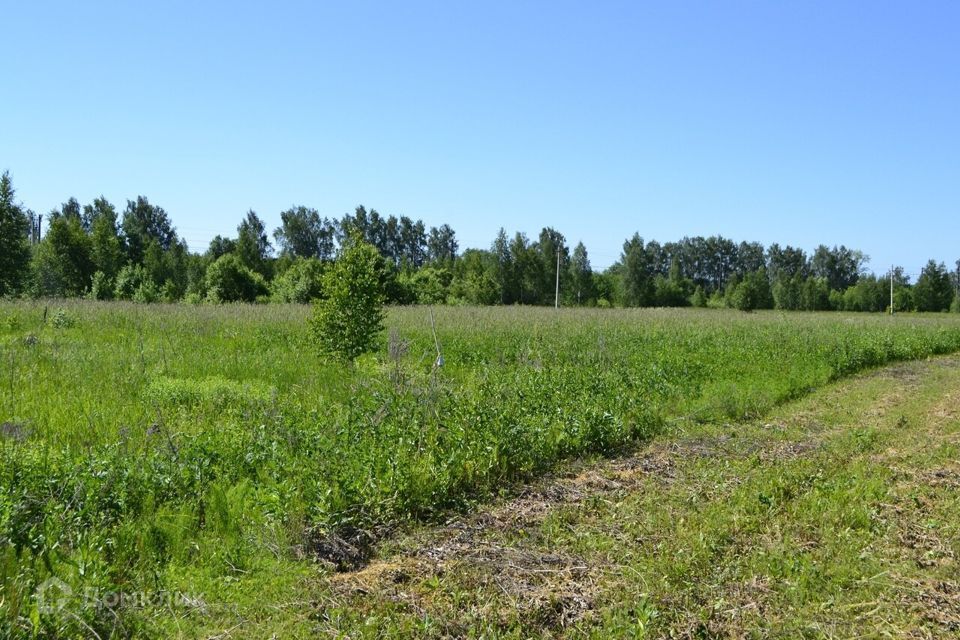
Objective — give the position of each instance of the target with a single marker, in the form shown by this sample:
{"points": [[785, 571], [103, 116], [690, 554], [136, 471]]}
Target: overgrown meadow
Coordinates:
{"points": [[173, 448]]}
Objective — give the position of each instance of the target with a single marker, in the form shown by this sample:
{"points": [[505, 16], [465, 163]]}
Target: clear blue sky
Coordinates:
{"points": [[790, 122]]}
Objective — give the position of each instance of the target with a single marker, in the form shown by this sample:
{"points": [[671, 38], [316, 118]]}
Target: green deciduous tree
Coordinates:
{"points": [[348, 320], [476, 278], [934, 289], [63, 264], [637, 284], [787, 292], [786, 262], [409, 244], [753, 292], [253, 247], [220, 246], [304, 234], [815, 294], [504, 273], [527, 270], [869, 294], [195, 267], [750, 257], [14, 240], [144, 223], [580, 288], [442, 244], [167, 269], [609, 286], [672, 290], [839, 266], [956, 278], [549, 245], [100, 218]]}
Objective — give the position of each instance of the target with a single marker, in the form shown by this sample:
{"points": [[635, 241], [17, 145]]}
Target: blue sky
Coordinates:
{"points": [[790, 122]]}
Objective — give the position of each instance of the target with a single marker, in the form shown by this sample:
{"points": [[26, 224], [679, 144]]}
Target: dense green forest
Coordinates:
{"points": [[98, 252]]}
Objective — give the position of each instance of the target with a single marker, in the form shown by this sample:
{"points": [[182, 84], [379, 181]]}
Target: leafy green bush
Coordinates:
{"points": [[903, 299], [301, 283], [752, 293], [834, 301], [669, 292], [699, 298], [170, 292], [428, 285], [229, 280], [868, 294], [347, 322], [101, 287], [147, 293], [130, 280], [134, 283]]}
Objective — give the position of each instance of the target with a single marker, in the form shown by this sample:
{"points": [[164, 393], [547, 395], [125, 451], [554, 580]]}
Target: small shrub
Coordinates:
{"points": [[716, 300], [699, 298], [170, 292], [834, 301], [346, 323], [146, 293], [61, 319], [101, 288], [130, 281]]}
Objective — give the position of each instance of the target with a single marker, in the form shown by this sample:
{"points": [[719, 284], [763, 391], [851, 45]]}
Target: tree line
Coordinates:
{"points": [[100, 252]]}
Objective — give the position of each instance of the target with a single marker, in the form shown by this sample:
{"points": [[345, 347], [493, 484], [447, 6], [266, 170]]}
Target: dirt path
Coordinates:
{"points": [[837, 516]]}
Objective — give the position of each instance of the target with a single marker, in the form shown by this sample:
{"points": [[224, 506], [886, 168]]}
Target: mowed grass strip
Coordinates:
{"points": [[836, 516]]}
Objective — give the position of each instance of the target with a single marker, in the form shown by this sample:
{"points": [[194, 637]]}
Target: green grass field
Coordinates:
{"points": [[209, 455]]}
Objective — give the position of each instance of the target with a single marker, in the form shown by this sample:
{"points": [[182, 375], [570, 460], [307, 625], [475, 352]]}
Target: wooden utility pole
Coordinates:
{"points": [[891, 289]]}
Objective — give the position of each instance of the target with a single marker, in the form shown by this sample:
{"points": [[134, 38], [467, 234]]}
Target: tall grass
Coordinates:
{"points": [[141, 442]]}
